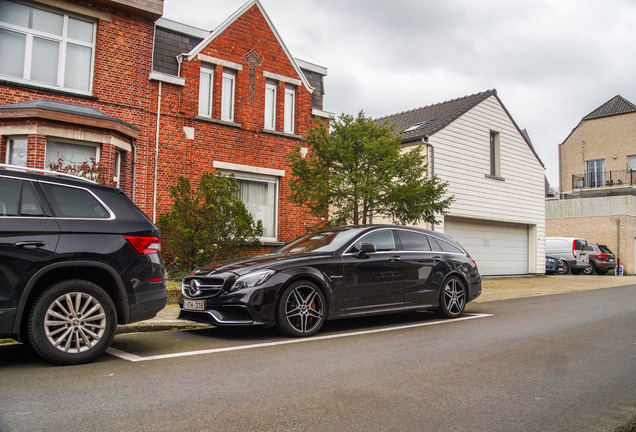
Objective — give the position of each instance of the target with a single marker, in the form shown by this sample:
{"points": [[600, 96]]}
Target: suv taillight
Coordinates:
{"points": [[603, 256], [144, 245]]}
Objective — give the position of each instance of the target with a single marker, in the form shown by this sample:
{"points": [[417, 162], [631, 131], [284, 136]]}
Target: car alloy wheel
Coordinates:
{"points": [[72, 322], [590, 269], [452, 298], [301, 311]]}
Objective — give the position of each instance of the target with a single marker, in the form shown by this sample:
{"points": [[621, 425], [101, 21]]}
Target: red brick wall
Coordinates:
{"points": [[121, 89], [247, 144]]}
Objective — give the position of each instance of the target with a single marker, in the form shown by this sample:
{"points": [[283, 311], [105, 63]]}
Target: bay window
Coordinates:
{"points": [[17, 152], [71, 153]]}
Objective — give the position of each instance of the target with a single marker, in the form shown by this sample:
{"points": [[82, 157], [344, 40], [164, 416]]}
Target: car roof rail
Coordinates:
{"points": [[45, 172]]}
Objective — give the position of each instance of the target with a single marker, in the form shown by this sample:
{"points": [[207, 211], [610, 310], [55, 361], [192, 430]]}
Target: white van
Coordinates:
{"points": [[572, 250]]}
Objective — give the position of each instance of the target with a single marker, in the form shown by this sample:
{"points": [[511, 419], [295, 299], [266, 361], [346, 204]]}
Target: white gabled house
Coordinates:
{"points": [[495, 175]]}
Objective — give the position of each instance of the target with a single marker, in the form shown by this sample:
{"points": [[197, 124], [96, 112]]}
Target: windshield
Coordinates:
{"points": [[323, 241]]}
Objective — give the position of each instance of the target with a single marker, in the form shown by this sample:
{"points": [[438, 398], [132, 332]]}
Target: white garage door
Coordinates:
{"points": [[498, 248]]}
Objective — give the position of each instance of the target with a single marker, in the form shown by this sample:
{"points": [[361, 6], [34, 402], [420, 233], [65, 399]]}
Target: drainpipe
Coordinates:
{"points": [[432, 164], [134, 168], [154, 198]]}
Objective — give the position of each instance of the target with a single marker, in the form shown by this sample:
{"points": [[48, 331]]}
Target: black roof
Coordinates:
{"points": [[420, 122]]}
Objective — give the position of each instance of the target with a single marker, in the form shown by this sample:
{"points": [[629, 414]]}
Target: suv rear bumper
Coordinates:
{"points": [[147, 304]]}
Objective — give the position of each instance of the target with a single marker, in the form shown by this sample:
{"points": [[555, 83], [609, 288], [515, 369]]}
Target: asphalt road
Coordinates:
{"points": [[563, 362]]}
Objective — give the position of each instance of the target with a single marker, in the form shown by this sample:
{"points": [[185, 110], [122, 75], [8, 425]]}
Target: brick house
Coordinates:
{"points": [[597, 171], [107, 80], [494, 173], [234, 100], [74, 83]]}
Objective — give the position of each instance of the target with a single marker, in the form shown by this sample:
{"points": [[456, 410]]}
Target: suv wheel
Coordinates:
{"points": [[590, 269], [72, 322]]}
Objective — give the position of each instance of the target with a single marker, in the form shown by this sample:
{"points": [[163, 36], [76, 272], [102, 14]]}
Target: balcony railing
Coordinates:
{"points": [[604, 179]]}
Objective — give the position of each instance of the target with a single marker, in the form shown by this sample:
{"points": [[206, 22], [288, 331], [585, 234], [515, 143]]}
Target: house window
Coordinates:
{"points": [[117, 168], [631, 163], [206, 80], [70, 154], [270, 105], [595, 173], [17, 152], [46, 48], [227, 97], [260, 196], [495, 162], [290, 107]]}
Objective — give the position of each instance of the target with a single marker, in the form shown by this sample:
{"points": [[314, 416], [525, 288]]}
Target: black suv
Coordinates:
{"points": [[76, 259]]}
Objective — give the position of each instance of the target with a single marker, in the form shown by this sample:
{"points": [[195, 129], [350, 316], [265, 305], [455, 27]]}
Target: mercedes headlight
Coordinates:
{"points": [[252, 279]]}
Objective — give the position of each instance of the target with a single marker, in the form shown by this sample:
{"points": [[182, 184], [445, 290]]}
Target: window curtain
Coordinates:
{"points": [[260, 200]]}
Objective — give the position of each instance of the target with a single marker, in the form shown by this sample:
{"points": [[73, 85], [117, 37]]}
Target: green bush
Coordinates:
{"points": [[207, 224]]}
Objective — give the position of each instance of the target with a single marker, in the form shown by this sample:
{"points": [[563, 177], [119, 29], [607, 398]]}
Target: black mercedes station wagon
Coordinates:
{"points": [[332, 274], [76, 259]]}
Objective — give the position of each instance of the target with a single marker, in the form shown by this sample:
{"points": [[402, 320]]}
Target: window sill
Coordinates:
{"points": [[57, 91], [282, 134], [271, 242], [219, 122], [490, 176]]}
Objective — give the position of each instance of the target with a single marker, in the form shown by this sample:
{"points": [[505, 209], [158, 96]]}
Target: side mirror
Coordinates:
{"points": [[365, 248]]}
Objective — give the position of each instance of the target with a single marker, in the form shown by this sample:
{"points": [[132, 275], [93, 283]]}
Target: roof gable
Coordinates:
{"points": [[615, 106], [228, 22]]}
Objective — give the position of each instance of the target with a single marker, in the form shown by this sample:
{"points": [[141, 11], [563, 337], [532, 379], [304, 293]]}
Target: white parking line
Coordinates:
{"points": [[135, 358]]}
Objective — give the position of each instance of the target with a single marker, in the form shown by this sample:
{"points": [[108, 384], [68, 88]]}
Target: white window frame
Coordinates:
{"points": [[595, 173], [242, 176], [205, 109], [631, 163], [228, 95], [290, 110], [117, 168], [270, 105], [495, 154], [64, 42], [10, 144]]}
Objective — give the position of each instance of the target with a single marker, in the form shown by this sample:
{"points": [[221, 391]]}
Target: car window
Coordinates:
{"points": [[18, 198], [412, 241], [590, 248], [605, 249], [441, 245], [580, 245], [74, 202], [383, 241]]}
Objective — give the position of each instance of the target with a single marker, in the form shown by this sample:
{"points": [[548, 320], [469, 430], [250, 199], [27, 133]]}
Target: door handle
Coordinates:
{"points": [[436, 259], [395, 258], [30, 244]]}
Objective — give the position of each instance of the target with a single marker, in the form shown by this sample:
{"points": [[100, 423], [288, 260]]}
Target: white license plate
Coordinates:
{"points": [[195, 305]]}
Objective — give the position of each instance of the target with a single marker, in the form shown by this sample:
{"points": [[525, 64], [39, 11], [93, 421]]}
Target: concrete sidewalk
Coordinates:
{"points": [[492, 289]]}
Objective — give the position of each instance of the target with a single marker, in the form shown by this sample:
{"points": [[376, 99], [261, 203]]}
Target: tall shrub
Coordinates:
{"points": [[207, 224]]}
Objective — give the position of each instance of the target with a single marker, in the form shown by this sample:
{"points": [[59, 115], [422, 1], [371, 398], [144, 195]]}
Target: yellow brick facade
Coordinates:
{"points": [[602, 138]]}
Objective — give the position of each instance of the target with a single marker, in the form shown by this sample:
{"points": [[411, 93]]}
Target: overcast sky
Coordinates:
{"points": [[551, 61]]}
